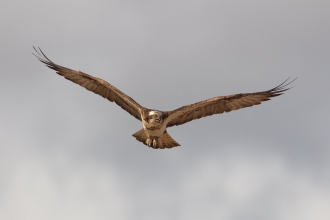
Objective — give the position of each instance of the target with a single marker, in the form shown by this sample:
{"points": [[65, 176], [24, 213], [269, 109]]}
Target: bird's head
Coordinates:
{"points": [[155, 117]]}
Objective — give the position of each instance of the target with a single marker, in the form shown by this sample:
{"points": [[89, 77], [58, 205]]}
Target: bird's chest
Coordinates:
{"points": [[154, 129]]}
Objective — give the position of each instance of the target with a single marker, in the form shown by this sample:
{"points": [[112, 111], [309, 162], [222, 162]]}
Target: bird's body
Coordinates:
{"points": [[155, 122]]}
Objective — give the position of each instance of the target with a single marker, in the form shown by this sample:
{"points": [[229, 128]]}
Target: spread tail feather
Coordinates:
{"points": [[164, 141], [141, 136]]}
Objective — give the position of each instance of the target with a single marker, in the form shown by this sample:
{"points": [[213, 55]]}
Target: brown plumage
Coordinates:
{"points": [[221, 104], [153, 133]]}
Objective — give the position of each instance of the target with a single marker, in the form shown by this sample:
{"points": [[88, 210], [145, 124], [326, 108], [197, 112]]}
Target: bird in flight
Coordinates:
{"points": [[154, 122]]}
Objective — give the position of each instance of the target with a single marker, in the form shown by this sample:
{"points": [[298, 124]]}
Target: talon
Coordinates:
{"points": [[148, 142], [154, 143]]}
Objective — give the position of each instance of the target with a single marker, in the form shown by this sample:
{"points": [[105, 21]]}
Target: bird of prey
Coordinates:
{"points": [[154, 122]]}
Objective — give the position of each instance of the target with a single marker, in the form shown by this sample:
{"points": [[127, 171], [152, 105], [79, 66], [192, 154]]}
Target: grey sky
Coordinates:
{"points": [[66, 153]]}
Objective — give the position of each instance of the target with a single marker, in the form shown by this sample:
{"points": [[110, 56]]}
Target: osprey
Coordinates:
{"points": [[154, 134]]}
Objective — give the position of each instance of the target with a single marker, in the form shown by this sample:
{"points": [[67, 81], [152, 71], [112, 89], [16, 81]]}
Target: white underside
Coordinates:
{"points": [[157, 132]]}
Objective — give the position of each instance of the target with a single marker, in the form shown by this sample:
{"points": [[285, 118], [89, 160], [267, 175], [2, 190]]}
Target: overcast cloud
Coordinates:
{"points": [[66, 153]]}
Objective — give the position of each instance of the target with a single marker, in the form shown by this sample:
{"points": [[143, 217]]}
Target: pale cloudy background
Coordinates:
{"points": [[66, 153]]}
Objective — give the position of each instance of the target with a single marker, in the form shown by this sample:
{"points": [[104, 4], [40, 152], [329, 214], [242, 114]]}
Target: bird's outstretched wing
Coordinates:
{"points": [[221, 104], [95, 85]]}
